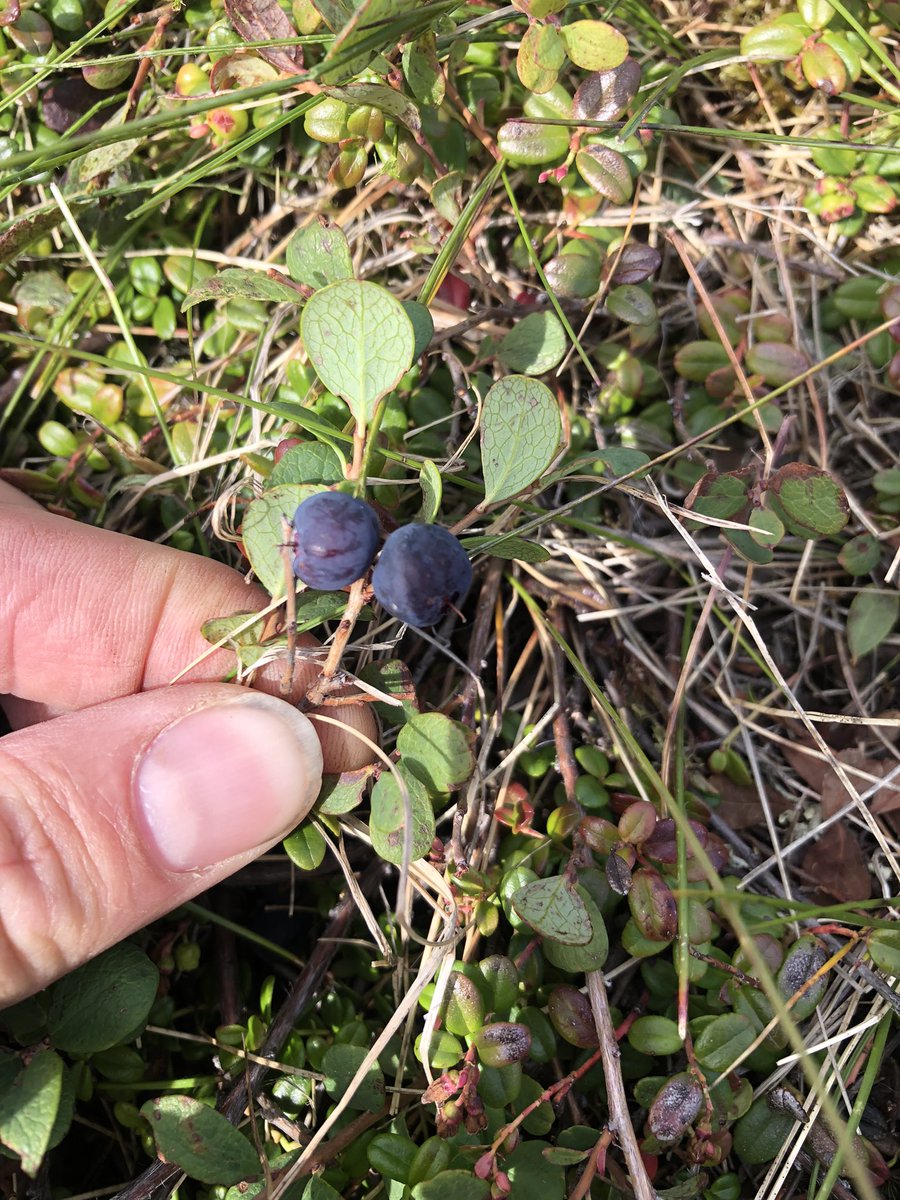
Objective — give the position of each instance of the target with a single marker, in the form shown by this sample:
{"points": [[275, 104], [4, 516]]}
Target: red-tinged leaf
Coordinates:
{"points": [[874, 194], [778, 364], [773, 327], [239, 71], [676, 1105], [605, 94], [262, 20], [725, 497], [571, 1016], [808, 500], [9, 11], [540, 56], [635, 264], [824, 69]]}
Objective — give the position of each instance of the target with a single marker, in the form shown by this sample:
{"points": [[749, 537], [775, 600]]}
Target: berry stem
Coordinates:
{"points": [[355, 604]]}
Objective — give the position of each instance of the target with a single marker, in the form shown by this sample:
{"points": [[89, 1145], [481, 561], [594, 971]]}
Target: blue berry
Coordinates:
{"points": [[421, 572], [337, 536]]}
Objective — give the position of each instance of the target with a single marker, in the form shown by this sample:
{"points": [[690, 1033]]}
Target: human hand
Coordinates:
{"points": [[121, 798]]}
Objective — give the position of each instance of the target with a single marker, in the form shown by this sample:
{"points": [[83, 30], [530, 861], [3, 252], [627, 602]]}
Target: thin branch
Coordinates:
{"points": [[619, 1119]]}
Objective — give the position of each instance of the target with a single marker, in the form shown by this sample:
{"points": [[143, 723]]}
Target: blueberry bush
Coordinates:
{"points": [[542, 360]]}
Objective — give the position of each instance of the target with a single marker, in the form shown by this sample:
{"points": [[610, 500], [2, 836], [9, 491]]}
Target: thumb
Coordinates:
{"points": [[113, 815]]}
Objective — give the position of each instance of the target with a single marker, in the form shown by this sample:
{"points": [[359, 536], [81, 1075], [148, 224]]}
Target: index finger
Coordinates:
{"points": [[87, 615]]}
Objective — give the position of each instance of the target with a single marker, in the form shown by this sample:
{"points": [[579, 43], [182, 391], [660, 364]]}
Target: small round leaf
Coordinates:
{"points": [[594, 45]]}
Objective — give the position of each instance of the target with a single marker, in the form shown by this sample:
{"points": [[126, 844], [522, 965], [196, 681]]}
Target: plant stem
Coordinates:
{"points": [[619, 1119]]}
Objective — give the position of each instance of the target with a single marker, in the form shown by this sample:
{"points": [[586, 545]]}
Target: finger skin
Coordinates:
{"points": [[78, 868], [87, 615]]}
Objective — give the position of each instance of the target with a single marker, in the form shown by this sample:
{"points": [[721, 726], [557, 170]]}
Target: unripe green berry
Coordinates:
{"points": [[187, 956], [366, 122], [191, 80], [327, 121], [227, 124], [349, 167]]}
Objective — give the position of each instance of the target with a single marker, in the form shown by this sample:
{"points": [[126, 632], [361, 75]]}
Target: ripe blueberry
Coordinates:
{"points": [[421, 572], [336, 540]]}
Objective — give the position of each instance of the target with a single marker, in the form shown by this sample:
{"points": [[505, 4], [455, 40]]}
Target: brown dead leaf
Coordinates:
{"points": [[821, 778], [260, 20], [837, 864], [835, 795], [67, 100], [812, 770], [740, 806]]}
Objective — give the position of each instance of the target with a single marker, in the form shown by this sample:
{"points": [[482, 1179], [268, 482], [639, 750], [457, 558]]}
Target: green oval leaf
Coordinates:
{"points": [[452, 1185], [360, 341], [386, 99], [263, 532], [655, 1035], [537, 344], [422, 323], [810, 501], [391, 824], [872, 616], [423, 71], [29, 1107], [767, 529], [391, 1155], [526, 144], [437, 750], [697, 360], [725, 497], [310, 462], [553, 908], [631, 304], [860, 298], [249, 285], [594, 45], [432, 488], [607, 172], [777, 363], [521, 431], [774, 43], [509, 547], [339, 1064], [342, 793], [722, 1040], [590, 957], [540, 56], [884, 950], [319, 254], [106, 1000], [305, 847], [860, 555], [200, 1141]]}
